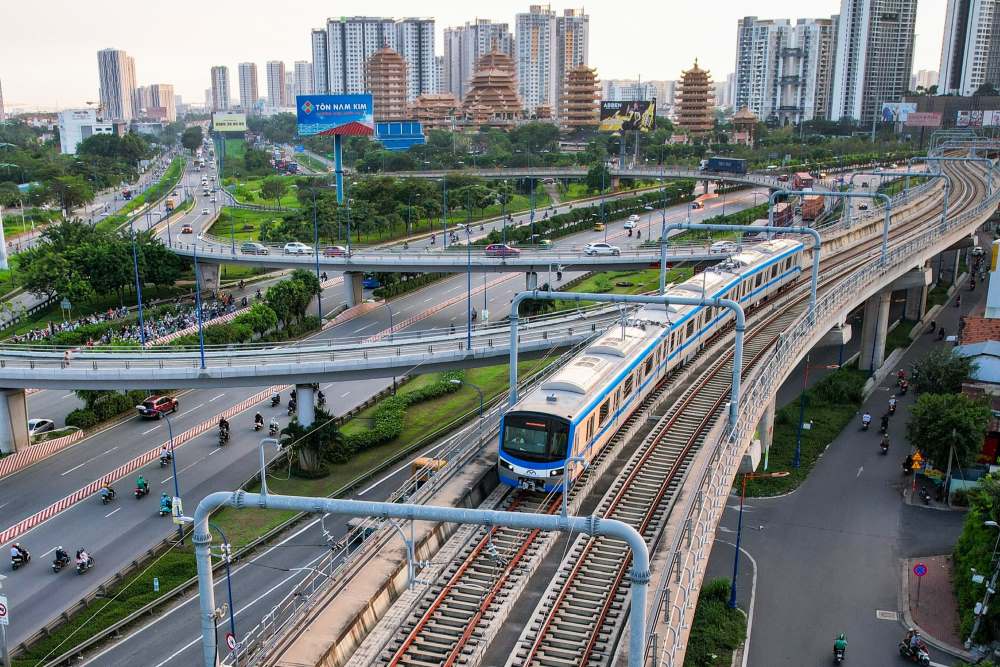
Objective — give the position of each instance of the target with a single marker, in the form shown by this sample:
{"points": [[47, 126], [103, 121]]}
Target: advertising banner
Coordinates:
{"points": [[229, 122], [335, 114], [969, 118], [633, 116], [897, 112], [923, 119]]}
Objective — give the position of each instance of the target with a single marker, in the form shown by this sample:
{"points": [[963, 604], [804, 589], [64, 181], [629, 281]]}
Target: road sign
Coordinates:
{"points": [[918, 458], [4, 616], [230, 641], [920, 569], [65, 304], [177, 510]]}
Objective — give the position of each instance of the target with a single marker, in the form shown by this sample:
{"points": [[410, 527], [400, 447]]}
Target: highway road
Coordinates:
{"points": [[117, 532]]}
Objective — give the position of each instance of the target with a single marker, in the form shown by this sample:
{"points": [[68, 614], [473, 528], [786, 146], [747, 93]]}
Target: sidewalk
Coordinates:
{"points": [[929, 604]]}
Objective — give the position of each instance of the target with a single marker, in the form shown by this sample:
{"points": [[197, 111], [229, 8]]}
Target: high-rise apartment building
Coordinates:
{"points": [[141, 101], [536, 58], [161, 102], [415, 42], [572, 44], [631, 90], [784, 72], [349, 43], [303, 79], [465, 45], [249, 91], [276, 84], [289, 100], [925, 78], [117, 77], [970, 51], [874, 57], [221, 100], [320, 61], [3, 114]]}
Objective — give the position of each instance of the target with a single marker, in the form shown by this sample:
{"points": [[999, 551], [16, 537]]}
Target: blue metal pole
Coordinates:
{"points": [[319, 295], [338, 167], [173, 465], [736, 556], [797, 458], [444, 210], [226, 553], [138, 286], [468, 288]]}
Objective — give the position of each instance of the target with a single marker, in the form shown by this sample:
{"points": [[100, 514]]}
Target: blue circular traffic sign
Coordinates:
{"points": [[920, 569]]}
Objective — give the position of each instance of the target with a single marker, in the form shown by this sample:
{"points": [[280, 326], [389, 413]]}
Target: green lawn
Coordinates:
{"points": [[166, 183], [622, 282], [244, 224], [311, 162], [899, 337], [939, 295], [717, 630], [235, 149], [248, 192]]}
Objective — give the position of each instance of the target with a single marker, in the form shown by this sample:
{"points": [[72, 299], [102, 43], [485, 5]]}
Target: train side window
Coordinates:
{"points": [[602, 413], [590, 428], [756, 281], [627, 387], [689, 330], [649, 366]]}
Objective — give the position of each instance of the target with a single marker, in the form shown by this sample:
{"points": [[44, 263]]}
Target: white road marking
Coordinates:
{"points": [[428, 299], [367, 326], [150, 430], [48, 552], [218, 449], [181, 414], [112, 512], [861, 469], [215, 397], [69, 395], [74, 468], [345, 394]]}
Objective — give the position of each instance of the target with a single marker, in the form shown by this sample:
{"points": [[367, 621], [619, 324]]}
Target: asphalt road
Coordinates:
{"points": [[202, 467], [827, 557]]}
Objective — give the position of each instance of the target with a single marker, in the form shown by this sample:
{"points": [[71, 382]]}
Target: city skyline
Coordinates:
{"points": [[284, 33]]}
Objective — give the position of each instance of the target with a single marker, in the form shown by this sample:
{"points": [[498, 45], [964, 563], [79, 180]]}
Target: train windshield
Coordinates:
{"points": [[535, 437]]}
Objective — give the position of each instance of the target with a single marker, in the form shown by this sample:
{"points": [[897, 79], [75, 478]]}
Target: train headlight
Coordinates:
{"points": [[504, 464], [555, 472]]}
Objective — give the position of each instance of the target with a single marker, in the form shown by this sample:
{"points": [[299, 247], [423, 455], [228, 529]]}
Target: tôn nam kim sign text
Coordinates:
{"points": [[335, 114]]}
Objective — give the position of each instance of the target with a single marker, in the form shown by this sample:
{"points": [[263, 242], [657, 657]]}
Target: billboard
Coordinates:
{"points": [[923, 119], [229, 122], [635, 116], [897, 112], [335, 114], [977, 118], [398, 135]]}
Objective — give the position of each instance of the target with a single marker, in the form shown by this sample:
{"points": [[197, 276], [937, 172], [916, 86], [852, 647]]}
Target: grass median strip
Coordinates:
{"points": [[717, 630]]}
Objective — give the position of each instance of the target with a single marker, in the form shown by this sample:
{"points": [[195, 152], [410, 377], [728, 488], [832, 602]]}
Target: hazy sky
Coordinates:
{"points": [[48, 49]]}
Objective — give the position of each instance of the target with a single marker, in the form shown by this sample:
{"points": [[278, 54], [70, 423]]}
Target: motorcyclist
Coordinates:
{"points": [[61, 555], [165, 452], [224, 425], [291, 405], [275, 398], [840, 643], [82, 557], [892, 404], [320, 397], [107, 491], [885, 423], [258, 419], [291, 395], [900, 375], [142, 484], [913, 640], [885, 440], [18, 553], [274, 425], [866, 418], [165, 502]]}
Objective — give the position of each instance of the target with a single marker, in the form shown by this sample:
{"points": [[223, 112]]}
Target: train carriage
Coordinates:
{"points": [[574, 413]]}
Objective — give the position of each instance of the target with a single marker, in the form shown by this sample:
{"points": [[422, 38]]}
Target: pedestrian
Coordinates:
{"points": [[66, 358]]}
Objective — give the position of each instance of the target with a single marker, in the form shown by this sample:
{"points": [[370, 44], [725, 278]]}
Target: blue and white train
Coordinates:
{"points": [[576, 411]]}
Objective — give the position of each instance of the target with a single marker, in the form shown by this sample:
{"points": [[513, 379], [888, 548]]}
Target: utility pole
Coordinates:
{"points": [[4, 621]]}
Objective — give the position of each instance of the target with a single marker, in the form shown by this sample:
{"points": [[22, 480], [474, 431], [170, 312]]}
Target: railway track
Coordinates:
{"points": [[578, 623]]}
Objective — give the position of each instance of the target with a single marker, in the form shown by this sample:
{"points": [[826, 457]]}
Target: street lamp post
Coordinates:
{"points": [[319, 294], [482, 398], [197, 306], [444, 210], [227, 557], [468, 287], [797, 459], [739, 529], [173, 465], [138, 285]]}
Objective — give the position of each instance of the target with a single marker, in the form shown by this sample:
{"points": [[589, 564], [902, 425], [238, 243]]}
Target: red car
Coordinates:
{"points": [[155, 407], [335, 251], [501, 250]]}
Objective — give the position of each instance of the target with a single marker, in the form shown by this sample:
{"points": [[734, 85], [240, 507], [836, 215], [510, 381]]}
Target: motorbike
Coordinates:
{"points": [[272, 430], [81, 568], [892, 408], [140, 491], [107, 497], [907, 465], [60, 563], [884, 447], [291, 408], [924, 495], [838, 656], [275, 400], [903, 387], [864, 424], [919, 655], [223, 437], [321, 399], [165, 509], [20, 561], [258, 426]]}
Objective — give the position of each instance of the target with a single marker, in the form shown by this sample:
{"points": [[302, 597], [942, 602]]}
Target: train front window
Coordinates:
{"points": [[535, 438]]}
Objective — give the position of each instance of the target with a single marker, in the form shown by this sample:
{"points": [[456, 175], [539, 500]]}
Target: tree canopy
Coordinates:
{"points": [[939, 422], [942, 371]]}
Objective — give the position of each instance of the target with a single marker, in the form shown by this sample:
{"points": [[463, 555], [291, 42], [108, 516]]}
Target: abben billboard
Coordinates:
{"points": [[632, 116], [335, 114], [229, 122]]}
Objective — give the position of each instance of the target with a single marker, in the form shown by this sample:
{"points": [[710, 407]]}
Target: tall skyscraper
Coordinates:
{"points": [[350, 42], [970, 51], [248, 86], [276, 84], [536, 57], [289, 99], [415, 42], [925, 78], [3, 114], [784, 72], [117, 76], [572, 44], [161, 102], [142, 102], [874, 57], [303, 79], [320, 61], [465, 45], [220, 88]]}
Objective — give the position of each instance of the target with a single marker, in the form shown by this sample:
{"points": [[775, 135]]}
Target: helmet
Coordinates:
{"points": [[841, 636]]}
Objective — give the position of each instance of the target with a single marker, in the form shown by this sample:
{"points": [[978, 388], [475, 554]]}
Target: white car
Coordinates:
{"points": [[36, 426], [204, 211], [632, 222], [296, 248], [723, 247], [601, 249]]}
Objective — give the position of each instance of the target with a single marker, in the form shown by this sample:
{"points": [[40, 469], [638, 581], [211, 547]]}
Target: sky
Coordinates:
{"points": [[48, 50]]}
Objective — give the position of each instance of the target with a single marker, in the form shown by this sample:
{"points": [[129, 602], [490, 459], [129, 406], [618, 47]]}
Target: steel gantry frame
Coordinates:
{"points": [[590, 525], [842, 195], [938, 158], [665, 301]]}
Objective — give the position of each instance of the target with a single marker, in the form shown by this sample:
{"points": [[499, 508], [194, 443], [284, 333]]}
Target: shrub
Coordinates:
{"points": [[841, 387], [82, 418]]}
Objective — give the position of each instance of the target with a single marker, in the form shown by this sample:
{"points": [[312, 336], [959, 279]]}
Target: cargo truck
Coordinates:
{"points": [[169, 205], [812, 207]]}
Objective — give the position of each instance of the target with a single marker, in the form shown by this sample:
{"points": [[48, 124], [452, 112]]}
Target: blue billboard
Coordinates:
{"points": [[399, 135], [335, 115]]}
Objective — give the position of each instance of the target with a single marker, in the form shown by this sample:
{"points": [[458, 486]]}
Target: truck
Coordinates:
{"points": [[783, 213], [812, 207], [730, 165], [802, 180], [170, 204]]}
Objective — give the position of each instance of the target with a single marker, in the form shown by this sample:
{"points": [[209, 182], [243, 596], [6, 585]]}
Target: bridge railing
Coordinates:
{"points": [[681, 575]]}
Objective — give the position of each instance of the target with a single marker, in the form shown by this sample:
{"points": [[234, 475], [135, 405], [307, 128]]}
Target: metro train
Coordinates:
{"points": [[576, 411]]}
